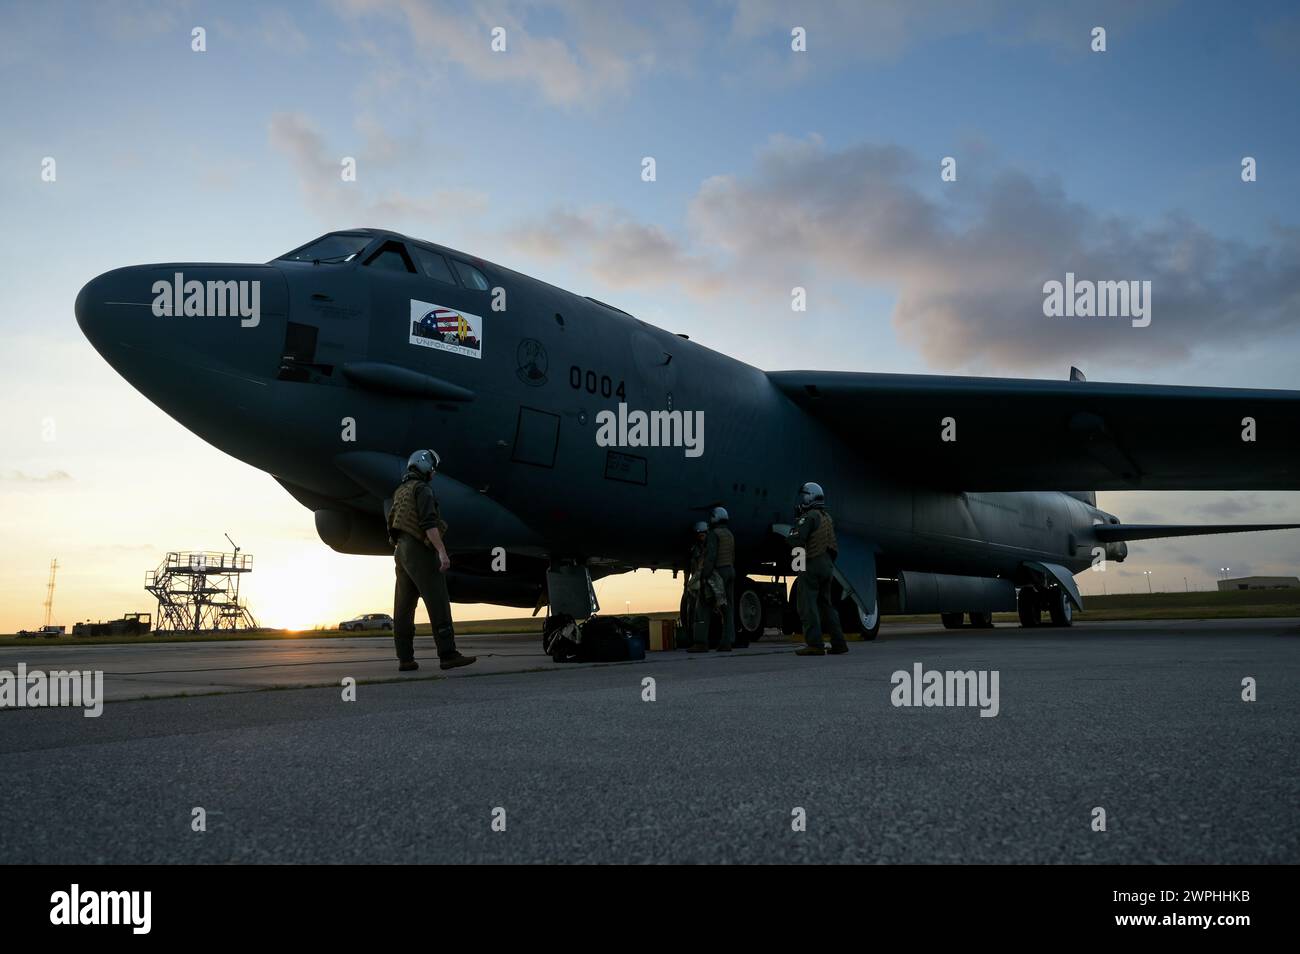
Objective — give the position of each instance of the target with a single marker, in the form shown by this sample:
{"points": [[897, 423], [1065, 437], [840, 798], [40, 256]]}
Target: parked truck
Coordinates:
{"points": [[132, 624]]}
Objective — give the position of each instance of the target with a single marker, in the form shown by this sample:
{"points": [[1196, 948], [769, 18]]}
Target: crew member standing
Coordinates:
{"points": [[416, 528], [719, 557], [691, 585], [815, 533]]}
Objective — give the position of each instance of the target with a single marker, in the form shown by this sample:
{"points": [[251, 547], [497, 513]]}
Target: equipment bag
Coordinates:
{"points": [[561, 637], [609, 639]]}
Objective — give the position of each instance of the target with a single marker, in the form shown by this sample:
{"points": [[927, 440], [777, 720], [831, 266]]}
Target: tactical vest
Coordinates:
{"points": [[726, 547], [822, 540], [405, 513]]}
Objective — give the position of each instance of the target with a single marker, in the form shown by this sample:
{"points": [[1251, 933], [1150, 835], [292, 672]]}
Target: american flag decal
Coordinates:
{"points": [[446, 320]]}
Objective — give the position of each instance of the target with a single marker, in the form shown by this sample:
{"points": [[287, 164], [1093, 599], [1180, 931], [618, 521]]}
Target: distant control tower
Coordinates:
{"points": [[198, 591]]}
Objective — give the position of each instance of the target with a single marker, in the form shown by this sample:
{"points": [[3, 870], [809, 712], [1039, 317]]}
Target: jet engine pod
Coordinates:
{"points": [[347, 531], [478, 522]]}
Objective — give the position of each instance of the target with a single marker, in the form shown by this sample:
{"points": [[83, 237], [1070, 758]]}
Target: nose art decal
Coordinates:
{"points": [[446, 329]]}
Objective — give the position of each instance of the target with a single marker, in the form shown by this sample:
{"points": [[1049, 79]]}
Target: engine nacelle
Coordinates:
{"points": [[348, 531]]}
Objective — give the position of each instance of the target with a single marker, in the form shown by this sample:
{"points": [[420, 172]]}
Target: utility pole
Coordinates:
{"points": [[49, 591]]}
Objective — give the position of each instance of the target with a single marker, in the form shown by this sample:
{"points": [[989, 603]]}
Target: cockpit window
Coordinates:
{"points": [[330, 249], [471, 276], [391, 256], [433, 265]]}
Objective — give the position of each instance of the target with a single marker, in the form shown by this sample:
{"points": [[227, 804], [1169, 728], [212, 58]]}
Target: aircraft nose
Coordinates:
{"points": [[185, 312], [98, 303]]}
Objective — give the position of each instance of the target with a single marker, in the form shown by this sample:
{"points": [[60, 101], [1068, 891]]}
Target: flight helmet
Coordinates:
{"points": [[423, 464], [811, 496]]}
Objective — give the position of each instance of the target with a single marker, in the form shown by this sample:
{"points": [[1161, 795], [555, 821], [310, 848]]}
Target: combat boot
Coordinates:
{"points": [[408, 665], [456, 661], [810, 651]]}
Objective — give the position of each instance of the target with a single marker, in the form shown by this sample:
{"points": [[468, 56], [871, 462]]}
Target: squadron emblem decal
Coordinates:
{"points": [[447, 329], [530, 357]]}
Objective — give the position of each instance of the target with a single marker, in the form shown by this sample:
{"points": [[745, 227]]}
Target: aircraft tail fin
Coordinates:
{"points": [[1087, 496]]}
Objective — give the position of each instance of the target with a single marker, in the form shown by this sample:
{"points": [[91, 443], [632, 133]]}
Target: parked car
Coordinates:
{"points": [[368, 621]]}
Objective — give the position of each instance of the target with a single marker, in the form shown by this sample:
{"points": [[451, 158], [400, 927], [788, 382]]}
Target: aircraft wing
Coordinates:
{"points": [[1023, 434], [1108, 533]]}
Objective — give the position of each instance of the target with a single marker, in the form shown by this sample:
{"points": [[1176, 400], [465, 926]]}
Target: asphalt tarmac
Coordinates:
{"points": [[1142, 719]]}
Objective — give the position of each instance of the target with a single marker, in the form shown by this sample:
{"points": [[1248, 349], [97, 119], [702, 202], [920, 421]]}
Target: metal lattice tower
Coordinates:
{"points": [[198, 591], [49, 592]]}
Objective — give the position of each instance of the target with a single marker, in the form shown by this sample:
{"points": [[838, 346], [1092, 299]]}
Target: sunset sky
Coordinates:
{"points": [[774, 169]]}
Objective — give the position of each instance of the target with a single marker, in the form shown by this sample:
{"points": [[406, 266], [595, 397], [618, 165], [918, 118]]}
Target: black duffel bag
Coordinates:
{"points": [[609, 639]]}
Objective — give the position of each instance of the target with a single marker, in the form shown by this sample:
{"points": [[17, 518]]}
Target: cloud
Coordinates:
{"points": [[1232, 508], [318, 170], [18, 477], [1143, 515], [857, 33], [133, 19], [966, 261], [273, 28], [622, 253], [293, 135], [571, 53], [581, 53]]}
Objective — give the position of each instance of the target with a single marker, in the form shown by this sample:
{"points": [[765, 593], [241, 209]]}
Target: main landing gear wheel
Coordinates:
{"points": [[1060, 608], [951, 620], [981, 620], [853, 620], [749, 613]]}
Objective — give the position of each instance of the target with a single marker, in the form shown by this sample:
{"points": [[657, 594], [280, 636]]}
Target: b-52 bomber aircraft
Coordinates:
{"points": [[578, 441]]}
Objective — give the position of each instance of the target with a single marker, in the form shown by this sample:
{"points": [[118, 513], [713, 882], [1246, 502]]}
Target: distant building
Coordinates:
{"points": [[1261, 583]]}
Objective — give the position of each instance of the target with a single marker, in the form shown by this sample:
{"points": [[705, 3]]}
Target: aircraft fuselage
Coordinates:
{"points": [[349, 366]]}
